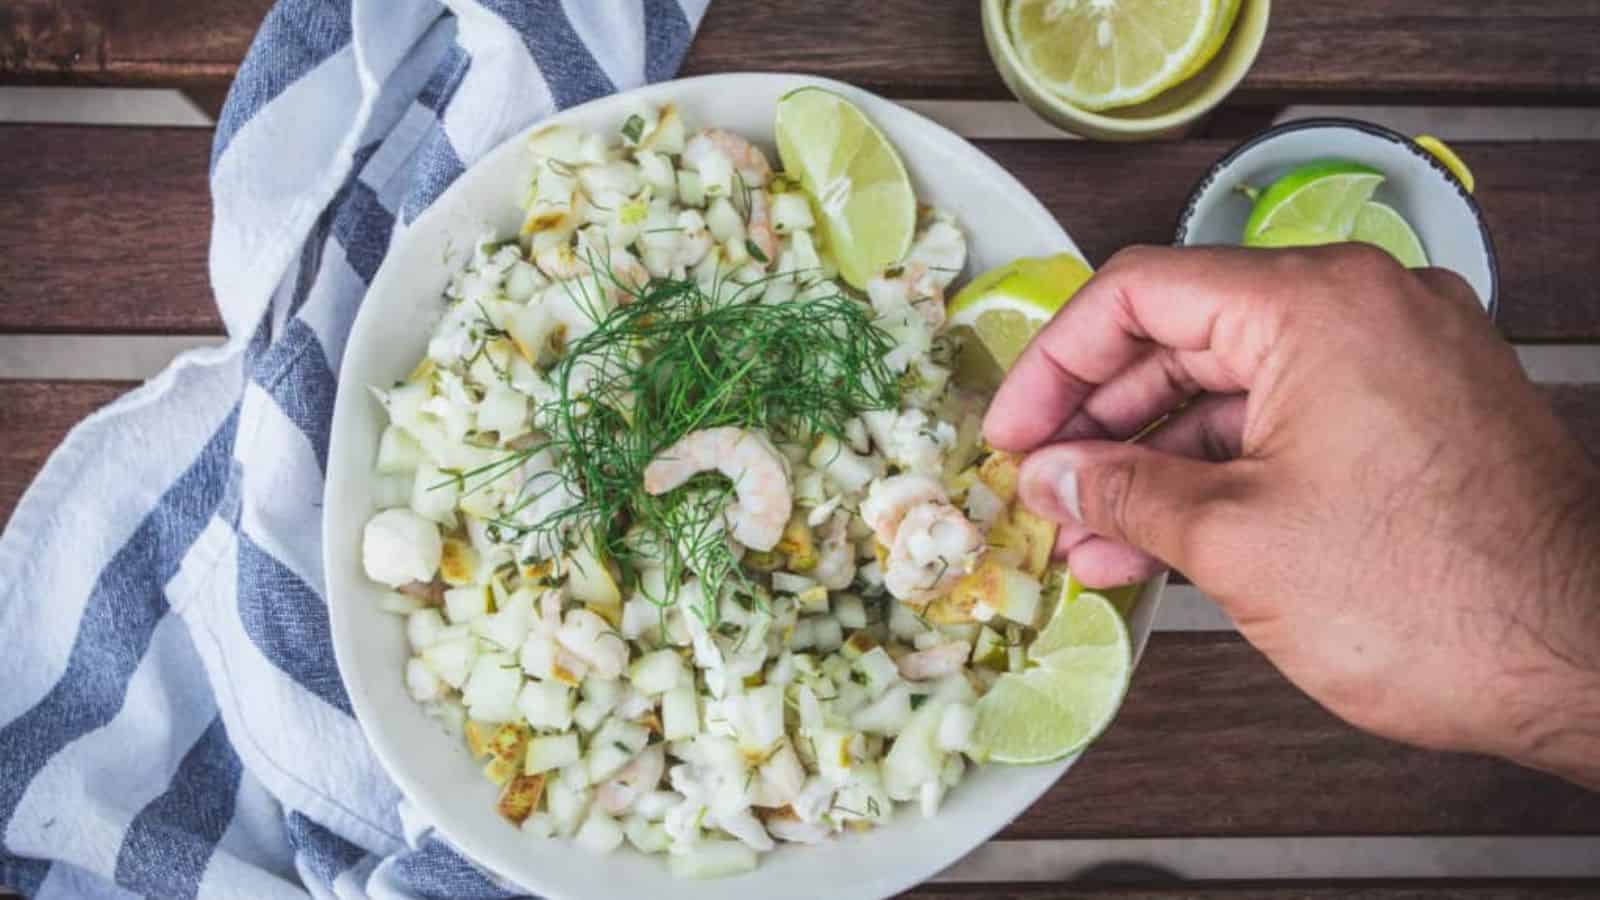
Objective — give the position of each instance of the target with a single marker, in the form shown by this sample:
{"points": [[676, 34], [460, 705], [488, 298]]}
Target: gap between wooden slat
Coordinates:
{"points": [[1286, 858], [976, 119]]}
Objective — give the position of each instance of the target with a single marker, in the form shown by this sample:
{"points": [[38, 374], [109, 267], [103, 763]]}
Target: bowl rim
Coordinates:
{"points": [[1009, 64], [452, 828], [1208, 180]]}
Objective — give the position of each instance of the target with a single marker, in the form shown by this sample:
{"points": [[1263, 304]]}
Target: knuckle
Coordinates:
{"points": [[1112, 498]]}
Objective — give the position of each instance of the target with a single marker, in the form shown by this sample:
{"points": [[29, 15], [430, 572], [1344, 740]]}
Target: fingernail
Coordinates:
{"points": [[1067, 491]]}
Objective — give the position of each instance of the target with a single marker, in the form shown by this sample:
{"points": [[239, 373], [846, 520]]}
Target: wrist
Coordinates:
{"points": [[1554, 708]]}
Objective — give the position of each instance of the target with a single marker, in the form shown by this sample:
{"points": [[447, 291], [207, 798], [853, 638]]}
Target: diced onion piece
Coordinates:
{"points": [[422, 683], [646, 836], [465, 604], [567, 805], [423, 628], [929, 797], [434, 495], [828, 633], [790, 583], [886, 715], [491, 692], [724, 222], [713, 859], [691, 191], [452, 659], [538, 825], [791, 211], [546, 704], [504, 410], [547, 752], [398, 452], [680, 713], [850, 611], [398, 547], [955, 727], [879, 669], [400, 604], [657, 672]]}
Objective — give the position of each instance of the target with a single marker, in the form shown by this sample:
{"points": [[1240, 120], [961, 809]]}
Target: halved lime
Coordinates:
{"points": [[998, 312], [1323, 196], [1078, 672], [1380, 225], [1102, 54], [866, 209]]}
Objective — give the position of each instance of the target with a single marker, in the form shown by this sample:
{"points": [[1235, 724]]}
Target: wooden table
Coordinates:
{"points": [[1214, 753]]}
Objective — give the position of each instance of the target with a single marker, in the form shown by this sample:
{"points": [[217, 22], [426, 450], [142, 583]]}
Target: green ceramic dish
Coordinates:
{"points": [[1168, 115]]}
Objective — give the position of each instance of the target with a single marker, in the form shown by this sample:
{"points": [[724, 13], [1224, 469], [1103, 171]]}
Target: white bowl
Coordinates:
{"points": [[1419, 187], [1003, 221]]}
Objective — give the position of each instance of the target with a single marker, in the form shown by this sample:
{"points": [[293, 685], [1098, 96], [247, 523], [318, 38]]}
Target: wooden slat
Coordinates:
{"points": [[1355, 890], [1361, 50], [1211, 742], [34, 417], [107, 227], [105, 230]]}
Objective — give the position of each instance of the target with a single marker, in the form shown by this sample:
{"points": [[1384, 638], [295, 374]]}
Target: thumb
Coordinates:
{"points": [[1131, 494]]}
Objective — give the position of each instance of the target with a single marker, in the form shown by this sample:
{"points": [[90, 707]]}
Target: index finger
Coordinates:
{"points": [[1211, 300]]}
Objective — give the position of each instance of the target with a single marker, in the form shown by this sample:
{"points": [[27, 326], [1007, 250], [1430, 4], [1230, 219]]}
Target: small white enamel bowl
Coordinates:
{"points": [[1002, 220], [1419, 187]]}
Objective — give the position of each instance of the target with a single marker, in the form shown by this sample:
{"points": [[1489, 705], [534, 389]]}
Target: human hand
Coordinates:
{"points": [[1363, 478]]}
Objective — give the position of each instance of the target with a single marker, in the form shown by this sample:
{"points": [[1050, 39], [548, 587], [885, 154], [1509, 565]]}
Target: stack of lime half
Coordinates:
{"points": [[1328, 202]]}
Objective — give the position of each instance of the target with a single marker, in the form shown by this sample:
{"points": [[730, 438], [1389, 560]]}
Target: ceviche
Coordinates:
{"points": [[696, 539]]}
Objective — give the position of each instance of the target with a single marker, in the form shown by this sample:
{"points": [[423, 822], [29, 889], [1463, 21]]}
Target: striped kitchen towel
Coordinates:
{"points": [[172, 723]]}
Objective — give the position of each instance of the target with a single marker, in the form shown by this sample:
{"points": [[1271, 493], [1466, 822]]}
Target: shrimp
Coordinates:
{"points": [[746, 158], [889, 499], [934, 662], [759, 231], [763, 499], [936, 256], [933, 547], [642, 774], [836, 557]]}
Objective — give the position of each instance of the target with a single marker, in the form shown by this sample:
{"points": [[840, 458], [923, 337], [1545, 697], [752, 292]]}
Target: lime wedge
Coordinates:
{"points": [[1070, 691], [1322, 196], [1380, 225], [856, 181], [1102, 55], [1293, 236], [998, 312]]}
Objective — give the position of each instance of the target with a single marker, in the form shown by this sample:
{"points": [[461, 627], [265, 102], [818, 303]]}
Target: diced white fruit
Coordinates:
{"points": [[827, 634], [713, 859], [955, 727], [653, 805], [504, 410], [546, 704], [812, 600], [400, 604], [600, 697], [657, 672], [929, 796], [491, 693], [575, 775], [399, 547], [757, 717], [588, 579], [389, 491], [538, 656], [452, 659], [814, 799], [680, 713], [744, 825], [599, 833], [886, 715], [783, 776], [790, 583], [833, 753], [879, 669], [465, 604], [538, 825], [423, 628], [398, 452], [804, 635], [567, 806], [633, 704], [546, 752], [508, 627], [592, 640], [954, 768], [606, 759], [434, 495], [850, 611], [646, 836], [791, 212], [724, 222], [628, 735], [422, 683], [915, 757], [691, 192]]}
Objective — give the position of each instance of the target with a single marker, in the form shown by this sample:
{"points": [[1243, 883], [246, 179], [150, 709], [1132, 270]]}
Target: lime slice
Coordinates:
{"points": [[1068, 694], [866, 209], [1293, 236], [1380, 225], [1101, 54], [998, 312], [1322, 196]]}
